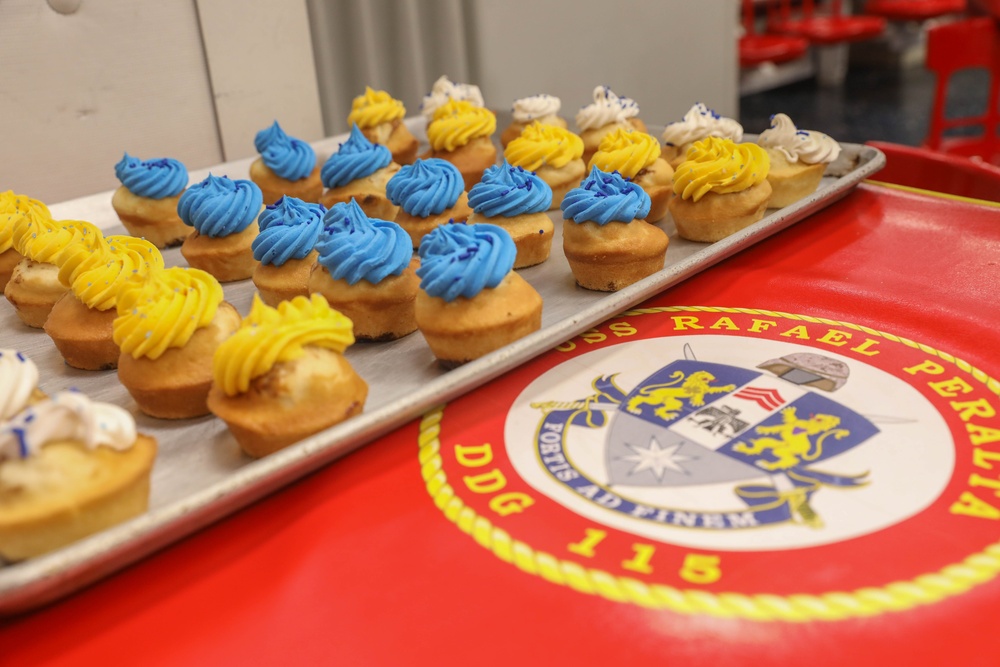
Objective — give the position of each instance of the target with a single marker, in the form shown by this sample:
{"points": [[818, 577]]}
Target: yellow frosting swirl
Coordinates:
{"points": [[720, 166], [457, 122], [44, 240], [37, 237], [626, 151], [541, 145], [127, 256], [374, 108], [164, 310], [85, 249], [14, 207], [273, 335]]}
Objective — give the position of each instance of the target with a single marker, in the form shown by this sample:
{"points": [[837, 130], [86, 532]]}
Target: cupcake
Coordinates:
{"points": [[69, 467], [285, 249], [146, 202], [516, 200], [606, 239], [607, 112], [543, 109], [428, 193], [283, 377], [168, 326], [798, 160], [35, 287], [471, 302], [553, 153], [380, 117], [359, 170], [461, 134], [720, 189], [14, 208], [636, 156], [444, 90], [81, 322], [699, 123], [366, 270], [224, 214], [286, 166]]}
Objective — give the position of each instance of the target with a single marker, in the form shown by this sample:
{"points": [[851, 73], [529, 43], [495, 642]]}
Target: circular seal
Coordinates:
{"points": [[732, 462]]}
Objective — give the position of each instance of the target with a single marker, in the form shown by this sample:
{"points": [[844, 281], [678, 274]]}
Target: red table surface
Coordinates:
{"points": [[355, 564]]}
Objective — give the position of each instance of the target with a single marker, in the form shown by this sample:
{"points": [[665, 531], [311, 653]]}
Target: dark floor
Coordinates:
{"points": [[880, 102]]}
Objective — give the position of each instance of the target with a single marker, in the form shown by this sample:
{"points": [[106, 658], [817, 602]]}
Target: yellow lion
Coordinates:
{"points": [[793, 443], [669, 397]]}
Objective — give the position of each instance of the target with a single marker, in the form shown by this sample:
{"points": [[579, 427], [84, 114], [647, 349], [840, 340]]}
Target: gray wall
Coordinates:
{"points": [[665, 54]]}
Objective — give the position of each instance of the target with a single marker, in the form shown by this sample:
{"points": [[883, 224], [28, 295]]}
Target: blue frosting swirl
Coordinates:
{"points": [[219, 206], [354, 247], [426, 187], [154, 179], [356, 158], [289, 229], [288, 157], [508, 191], [461, 260], [603, 197]]}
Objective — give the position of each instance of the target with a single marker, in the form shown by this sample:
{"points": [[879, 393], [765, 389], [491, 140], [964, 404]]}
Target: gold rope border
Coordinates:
{"points": [[897, 596]]}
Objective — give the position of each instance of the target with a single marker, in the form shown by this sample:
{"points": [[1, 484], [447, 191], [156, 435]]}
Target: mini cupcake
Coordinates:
{"points": [[553, 153], [35, 287], [607, 112], [428, 193], [444, 90], [167, 328], [285, 249], [606, 239], [69, 467], [13, 208], [283, 377], [146, 202], [224, 214], [471, 302], [636, 156], [543, 109], [286, 166], [81, 322], [699, 123], [516, 200], [366, 270], [380, 117], [798, 160], [461, 134], [720, 189], [359, 170]]}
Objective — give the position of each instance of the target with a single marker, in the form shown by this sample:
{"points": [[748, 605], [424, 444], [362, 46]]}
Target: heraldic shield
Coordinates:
{"points": [[696, 423]]}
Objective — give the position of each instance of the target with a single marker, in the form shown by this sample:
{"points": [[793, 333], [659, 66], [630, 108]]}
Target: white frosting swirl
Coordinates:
{"points": [[68, 415], [606, 109], [809, 146], [699, 123], [444, 90], [531, 108], [18, 379]]}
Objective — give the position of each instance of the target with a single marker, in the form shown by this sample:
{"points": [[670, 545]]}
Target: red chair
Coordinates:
{"points": [[914, 10], [757, 49], [832, 27], [971, 43], [928, 170]]}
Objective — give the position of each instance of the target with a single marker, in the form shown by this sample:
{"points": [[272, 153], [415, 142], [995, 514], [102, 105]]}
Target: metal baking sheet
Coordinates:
{"points": [[200, 474]]}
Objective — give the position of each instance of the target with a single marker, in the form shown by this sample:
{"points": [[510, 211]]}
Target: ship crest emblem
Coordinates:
{"points": [[765, 437]]}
